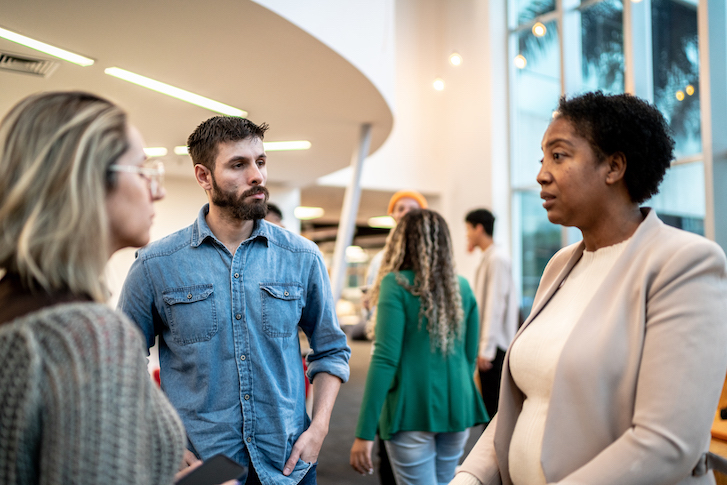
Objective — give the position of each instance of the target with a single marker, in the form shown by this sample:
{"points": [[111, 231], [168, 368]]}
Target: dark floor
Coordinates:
{"points": [[333, 467]]}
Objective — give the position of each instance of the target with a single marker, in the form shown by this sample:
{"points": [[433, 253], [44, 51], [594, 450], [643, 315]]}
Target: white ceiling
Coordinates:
{"points": [[233, 51]]}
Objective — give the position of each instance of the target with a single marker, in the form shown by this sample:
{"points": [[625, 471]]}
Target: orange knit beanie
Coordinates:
{"points": [[403, 194]]}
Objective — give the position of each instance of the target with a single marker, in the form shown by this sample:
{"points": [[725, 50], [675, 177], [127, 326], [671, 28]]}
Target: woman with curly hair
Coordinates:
{"points": [[420, 390], [615, 376]]}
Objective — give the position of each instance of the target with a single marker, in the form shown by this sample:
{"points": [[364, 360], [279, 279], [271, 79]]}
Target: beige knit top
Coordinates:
{"points": [[77, 404], [535, 355], [533, 359]]}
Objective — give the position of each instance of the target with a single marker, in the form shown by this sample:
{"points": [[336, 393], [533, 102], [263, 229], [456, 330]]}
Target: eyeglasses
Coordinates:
{"points": [[153, 172]]}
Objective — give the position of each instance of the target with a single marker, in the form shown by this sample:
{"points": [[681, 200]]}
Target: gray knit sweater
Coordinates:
{"points": [[77, 405]]}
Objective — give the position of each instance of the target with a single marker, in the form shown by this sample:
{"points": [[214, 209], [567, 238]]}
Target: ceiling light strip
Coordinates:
{"points": [[273, 146], [155, 151], [270, 146], [45, 48], [175, 92]]}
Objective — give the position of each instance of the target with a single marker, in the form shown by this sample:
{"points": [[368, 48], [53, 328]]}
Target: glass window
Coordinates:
{"points": [[676, 71], [681, 198], [602, 47], [536, 89], [539, 240], [586, 39], [527, 10]]}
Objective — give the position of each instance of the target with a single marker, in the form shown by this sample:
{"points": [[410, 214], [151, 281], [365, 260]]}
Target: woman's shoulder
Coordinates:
{"points": [[81, 327], [463, 283], [664, 242], [394, 277], [465, 291], [464, 286]]}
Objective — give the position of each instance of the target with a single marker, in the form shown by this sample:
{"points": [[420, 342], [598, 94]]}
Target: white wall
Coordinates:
{"points": [[474, 110], [451, 143], [287, 199]]}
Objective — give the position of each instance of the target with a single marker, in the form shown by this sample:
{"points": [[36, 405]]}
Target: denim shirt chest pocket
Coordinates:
{"points": [[191, 313], [281, 308]]}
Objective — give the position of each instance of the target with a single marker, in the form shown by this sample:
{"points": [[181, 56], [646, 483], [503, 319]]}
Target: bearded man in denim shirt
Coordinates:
{"points": [[226, 296]]}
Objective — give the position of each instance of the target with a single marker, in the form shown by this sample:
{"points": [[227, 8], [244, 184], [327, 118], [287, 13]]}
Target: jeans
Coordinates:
{"points": [[424, 458], [308, 479]]}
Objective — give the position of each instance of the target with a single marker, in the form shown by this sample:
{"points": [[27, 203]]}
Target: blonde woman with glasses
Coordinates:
{"points": [[420, 393], [76, 401]]}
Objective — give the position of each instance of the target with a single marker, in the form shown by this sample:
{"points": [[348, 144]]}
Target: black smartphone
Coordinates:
{"points": [[214, 471]]}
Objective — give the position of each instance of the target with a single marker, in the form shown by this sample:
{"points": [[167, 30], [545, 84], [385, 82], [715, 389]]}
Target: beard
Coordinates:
{"points": [[236, 206]]}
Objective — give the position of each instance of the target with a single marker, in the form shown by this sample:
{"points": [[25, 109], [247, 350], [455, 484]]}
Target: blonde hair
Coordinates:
{"points": [[55, 151], [421, 243]]}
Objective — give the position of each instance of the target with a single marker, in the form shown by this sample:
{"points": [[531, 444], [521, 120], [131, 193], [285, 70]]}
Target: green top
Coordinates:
{"points": [[411, 387]]}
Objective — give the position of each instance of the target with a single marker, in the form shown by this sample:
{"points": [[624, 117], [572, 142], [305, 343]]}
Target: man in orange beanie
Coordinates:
{"points": [[400, 203]]}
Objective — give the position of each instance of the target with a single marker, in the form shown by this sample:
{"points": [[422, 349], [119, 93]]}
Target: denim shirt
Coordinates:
{"points": [[229, 351]]}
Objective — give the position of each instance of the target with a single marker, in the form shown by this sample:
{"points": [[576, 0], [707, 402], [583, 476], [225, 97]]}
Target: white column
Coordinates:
{"points": [[571, 44], [287, 199], [712, 18], [348, 213], [639, 69]]}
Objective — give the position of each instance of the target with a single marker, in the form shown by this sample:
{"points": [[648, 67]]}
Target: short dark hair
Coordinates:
{"points": [[204, 141], [272, 208], [624, 123], [482, 217]]}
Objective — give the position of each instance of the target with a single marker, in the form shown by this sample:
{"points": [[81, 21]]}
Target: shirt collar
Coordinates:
{"points": [[201, 231]]}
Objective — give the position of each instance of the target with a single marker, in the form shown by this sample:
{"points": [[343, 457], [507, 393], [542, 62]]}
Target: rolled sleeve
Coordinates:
{"points": [[330, 352]]}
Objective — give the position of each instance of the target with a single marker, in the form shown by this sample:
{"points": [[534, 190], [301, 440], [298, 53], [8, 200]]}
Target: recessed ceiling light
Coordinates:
{"points": [[689, 89], [155, 151], [273, 146], [306, 213], [383, 222], [175, 92], [539, 29], [455, 59], [520, 61], [46, 48], [270, 146], [356, 254], [438, 84], [680, 95]]}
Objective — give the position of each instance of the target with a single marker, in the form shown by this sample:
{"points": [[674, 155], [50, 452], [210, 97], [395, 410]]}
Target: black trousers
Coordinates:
{"points": [[386, 474], [490, 383]]}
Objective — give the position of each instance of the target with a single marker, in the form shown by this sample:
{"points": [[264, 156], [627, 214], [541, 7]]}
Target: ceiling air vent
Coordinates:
{"points": [[27, 65]]}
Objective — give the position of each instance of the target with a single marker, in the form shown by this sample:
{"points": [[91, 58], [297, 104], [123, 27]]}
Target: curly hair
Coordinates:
{"points": [[421, 243], [629, 125], [205, 139]]}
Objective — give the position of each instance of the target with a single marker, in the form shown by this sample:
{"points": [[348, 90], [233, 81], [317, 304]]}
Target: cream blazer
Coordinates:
{"points": [[637, 384]]}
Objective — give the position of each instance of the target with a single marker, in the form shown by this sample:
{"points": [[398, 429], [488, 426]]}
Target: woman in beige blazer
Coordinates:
{"points": [[615, 376]]}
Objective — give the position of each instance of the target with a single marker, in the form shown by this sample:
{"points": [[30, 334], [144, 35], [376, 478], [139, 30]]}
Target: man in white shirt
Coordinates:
{"points": [[496, 301]]}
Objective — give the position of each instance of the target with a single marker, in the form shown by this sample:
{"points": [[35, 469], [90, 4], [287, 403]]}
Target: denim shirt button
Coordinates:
{"points": [[247, 397], [286, 294], [237, 275], [249, 439], [238, 316], [189, 296], [242, 357]]}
